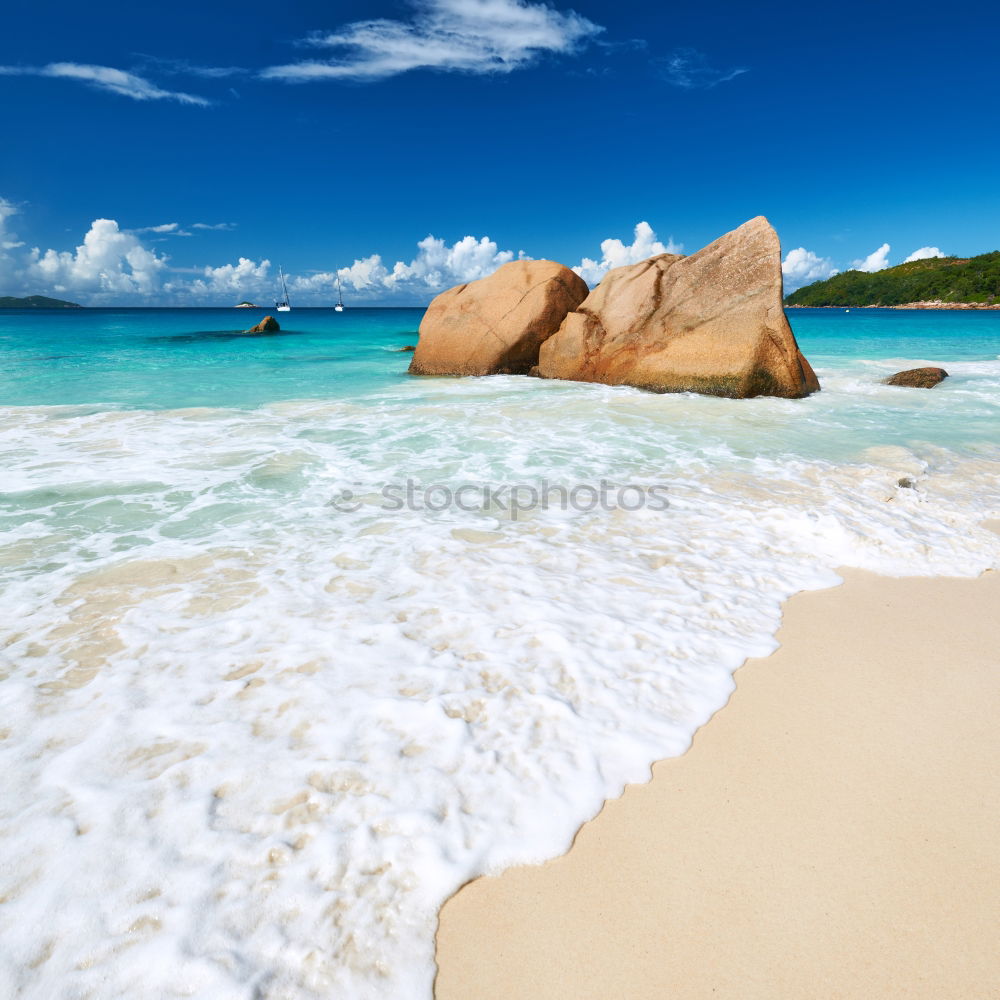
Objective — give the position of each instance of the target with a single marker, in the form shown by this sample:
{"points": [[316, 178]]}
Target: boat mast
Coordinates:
{"points": [[340, 294], [284, 287]]}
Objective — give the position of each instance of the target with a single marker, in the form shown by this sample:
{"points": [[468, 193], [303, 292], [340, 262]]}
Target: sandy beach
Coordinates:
{"points": [[830, 833]]}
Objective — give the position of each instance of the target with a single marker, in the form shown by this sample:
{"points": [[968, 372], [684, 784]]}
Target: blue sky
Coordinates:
{"points": [[318, 136]]}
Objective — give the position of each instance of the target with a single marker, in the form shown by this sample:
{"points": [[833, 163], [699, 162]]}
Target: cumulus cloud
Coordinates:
{"points": [[615, 253], [924, 253], [245, 277], [690, 70], [803, 267], [436, 266], [877, 260], [108, 262], [114, 265], [106, 78], [467, 36]]}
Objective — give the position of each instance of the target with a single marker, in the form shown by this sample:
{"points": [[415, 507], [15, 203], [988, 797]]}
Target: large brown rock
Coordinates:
{"points": [[917, 378], [267, 325], [495, 326], [711, 323]]}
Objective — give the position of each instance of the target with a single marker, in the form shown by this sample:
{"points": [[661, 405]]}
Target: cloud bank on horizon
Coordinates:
{"points": [[114, 264]]}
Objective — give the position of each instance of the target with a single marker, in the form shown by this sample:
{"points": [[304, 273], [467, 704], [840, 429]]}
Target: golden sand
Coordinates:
{"points": [[832, 832]]}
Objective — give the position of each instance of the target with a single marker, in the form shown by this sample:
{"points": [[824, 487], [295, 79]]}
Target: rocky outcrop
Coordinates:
{"points": [[711, 323], [917, 378], [497, 324], [267, 325]]}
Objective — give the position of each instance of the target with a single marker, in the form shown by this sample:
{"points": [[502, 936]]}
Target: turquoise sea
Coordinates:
{"points": [[293, 644], [172, 358]]}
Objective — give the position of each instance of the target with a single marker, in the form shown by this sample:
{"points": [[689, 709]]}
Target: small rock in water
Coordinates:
{"points": [[267, 325], [917, 378], [906, 483], [409, 347]]}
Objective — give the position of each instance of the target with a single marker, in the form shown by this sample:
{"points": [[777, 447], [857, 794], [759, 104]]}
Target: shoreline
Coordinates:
{"points": [[827, 834], [916, 306]]}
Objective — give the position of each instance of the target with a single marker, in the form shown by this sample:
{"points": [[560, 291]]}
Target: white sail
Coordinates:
{"points": [[284, 305]]}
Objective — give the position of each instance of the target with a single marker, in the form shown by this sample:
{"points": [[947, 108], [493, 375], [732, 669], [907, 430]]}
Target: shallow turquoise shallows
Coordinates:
{"points": [[293, 644], [171, 358]]}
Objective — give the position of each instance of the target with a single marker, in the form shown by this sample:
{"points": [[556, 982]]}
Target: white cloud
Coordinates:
{"points": [[877, 260], [246, 277], [175, 229], [924, 253], [115, 81], [109, 262], [435, 267], [690, 70], [181, 67], [8, 240], [468, 36], [113, 265], [615, 253], [803, 267], [166, 227], [9, 263]]}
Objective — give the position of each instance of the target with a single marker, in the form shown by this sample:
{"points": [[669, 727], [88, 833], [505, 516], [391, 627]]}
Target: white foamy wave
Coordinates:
{"points": [[252, 741]]}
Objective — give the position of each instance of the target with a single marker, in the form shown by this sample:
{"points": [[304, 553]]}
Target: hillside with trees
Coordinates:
{"points": [[35, 302], [944, 279]]}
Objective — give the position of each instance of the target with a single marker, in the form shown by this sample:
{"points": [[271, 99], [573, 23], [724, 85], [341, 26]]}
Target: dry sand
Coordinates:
{"points": [[832, 833]]}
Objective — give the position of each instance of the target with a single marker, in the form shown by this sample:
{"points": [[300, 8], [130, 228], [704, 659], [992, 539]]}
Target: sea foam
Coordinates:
{"points": [[251, 741]]}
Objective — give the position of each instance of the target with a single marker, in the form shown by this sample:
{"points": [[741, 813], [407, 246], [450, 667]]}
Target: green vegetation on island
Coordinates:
{"points": [[940, 279], [35, 302]]}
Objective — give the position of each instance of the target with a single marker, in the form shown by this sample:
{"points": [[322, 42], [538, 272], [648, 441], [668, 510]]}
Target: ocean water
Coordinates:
{"points": [[272, 686]]}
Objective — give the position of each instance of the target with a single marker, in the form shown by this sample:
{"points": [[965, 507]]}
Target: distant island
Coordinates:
{"points": [[246, 305], [937, 283], [35, 302]]}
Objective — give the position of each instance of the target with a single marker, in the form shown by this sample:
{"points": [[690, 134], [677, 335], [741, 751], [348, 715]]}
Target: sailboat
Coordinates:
{"points": [[339, 307], [284, 305]]}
